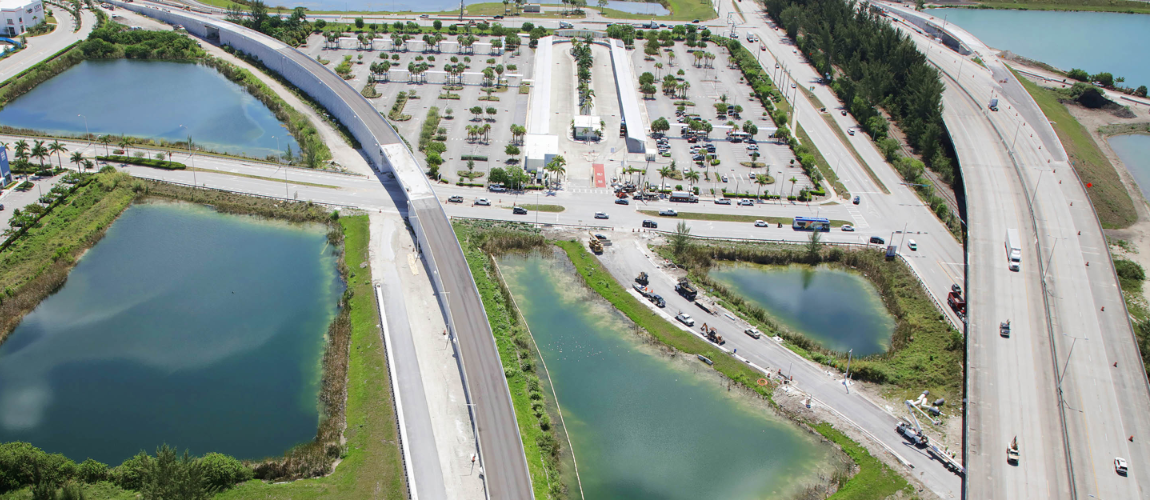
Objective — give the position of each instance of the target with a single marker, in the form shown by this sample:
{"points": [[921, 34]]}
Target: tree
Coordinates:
{"points": [[557, 167], [750, 128], [88, 164], [648, 90], [814, 245], [77, 158], [692, 176], [761, 180], [477, 111], [511, 150], [57, 149], [1141, 92], [359, 22], [39, 152], [491, 112], [793, 181], [105, 140], [602, 5], [660, 125], [1078, 74], [646, 78], [680, 239], [1104, 79], [664, 173], [437, 24], [652, 47]]}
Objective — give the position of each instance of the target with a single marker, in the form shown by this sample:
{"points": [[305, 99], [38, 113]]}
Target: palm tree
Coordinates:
{"points": [[664, 173], [40, 152], [56, 148], [22, 149], [106, 140], [692, 176], [793, 181], [77, 158], [557, 167], [123, 144], [658, 70], [761, 180], [88, 164]]}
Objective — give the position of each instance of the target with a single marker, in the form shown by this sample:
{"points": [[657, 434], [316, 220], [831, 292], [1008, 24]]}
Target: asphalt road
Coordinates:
{"points": [[44, 46], [1104, 395]]}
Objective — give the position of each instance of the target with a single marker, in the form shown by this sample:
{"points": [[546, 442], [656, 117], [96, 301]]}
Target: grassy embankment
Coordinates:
{"points": [[681, 10], [1122, 6], [786, 221], [874, 480], [829, 173], [925, 351], [1112, 203], [371, 464], [532, 405]]}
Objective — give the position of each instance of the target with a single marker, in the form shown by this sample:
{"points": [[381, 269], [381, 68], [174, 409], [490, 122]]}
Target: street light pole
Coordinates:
{"points": [[850, 354], [86, 132]]}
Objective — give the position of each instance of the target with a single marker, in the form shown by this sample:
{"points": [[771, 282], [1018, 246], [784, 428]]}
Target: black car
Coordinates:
{"points": [[736, 139], [710, 148], [857, 200], [650, 223], [877, 240], [519, 210], [658, 300], [622, 201]]}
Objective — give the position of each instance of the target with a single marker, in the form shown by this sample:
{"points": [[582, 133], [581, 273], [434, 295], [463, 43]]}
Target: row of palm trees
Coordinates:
{"points": [[474, 132], [41, 150]]}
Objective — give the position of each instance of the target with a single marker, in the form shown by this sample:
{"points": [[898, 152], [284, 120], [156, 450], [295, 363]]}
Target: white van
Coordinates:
{"points": [[751, 37], [911, 244]]}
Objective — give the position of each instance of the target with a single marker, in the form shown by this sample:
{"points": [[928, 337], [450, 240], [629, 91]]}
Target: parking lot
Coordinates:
{"points": [[511, 107], [708, 83]]}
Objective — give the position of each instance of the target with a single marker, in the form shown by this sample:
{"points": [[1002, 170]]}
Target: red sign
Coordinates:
{"points": [[1089, 184]]}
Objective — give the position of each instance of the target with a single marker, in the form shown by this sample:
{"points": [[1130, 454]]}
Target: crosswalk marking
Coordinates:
{"points": [[860, 221]]}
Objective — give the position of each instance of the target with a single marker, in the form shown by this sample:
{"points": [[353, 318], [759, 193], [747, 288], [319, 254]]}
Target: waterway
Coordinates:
{"points": [[1134, 151], [155, 100], [1093, 41], [838, 309], [182, 326], [642, 425], [652, 8]]}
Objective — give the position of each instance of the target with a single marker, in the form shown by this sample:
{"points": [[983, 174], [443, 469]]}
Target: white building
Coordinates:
{"points": [[538, 150], [588, 127], [16, 16]]}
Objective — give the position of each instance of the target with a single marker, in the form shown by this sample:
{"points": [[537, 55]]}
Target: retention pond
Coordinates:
{"points": [[152, 100], [1134, 151], [182, 326], [644, 425], [838, 309]]}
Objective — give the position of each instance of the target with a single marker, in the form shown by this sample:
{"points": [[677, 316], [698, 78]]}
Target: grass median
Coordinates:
{"points": [[874, 479], [824, 167], [1112, 202], [733, 218], [544, 208]]}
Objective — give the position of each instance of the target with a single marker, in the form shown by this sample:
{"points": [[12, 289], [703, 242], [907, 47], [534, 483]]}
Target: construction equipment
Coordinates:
{"points": [[596, 245], [686, 290], [950, 463], [642, 279], [913, 431], [712, 334], [1012, 452]]}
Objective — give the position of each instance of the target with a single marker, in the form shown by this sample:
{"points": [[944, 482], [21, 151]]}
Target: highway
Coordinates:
{"points": [[1103, 390]]}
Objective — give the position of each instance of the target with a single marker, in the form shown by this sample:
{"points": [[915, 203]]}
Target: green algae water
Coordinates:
{"points": [[642, 425], [182, 326], [838, 309]]}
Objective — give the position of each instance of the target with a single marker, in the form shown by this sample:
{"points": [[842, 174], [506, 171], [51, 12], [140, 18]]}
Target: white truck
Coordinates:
{"points": [[1013, 250]]}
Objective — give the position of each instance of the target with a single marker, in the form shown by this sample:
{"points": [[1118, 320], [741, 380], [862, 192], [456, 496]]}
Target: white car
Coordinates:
{"points": [[483, 201], [1120, 466], [911, 244], [848, 228], [760, 223], [753, 147], [601, 215], [685, 319]]}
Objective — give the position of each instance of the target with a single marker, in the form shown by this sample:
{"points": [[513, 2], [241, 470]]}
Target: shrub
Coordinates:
{"points": [[1129, 270], [222, 471], [130, 474], [21, 464], [139, 159], [92, 472]]}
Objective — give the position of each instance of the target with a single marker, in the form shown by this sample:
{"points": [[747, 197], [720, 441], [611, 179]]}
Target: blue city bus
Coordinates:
{"points": [[811, 224]]}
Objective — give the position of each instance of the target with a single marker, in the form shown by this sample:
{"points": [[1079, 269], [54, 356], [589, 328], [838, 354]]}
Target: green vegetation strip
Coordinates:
{"points": [[1111, 201], [828, 172], [786, 221], [540, 444], [925, 351], [874, 479], [146, 162], [544, 208]]}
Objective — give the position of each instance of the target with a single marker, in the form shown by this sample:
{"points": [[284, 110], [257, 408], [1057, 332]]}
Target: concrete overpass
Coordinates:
{"points": [[501, 455]]}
